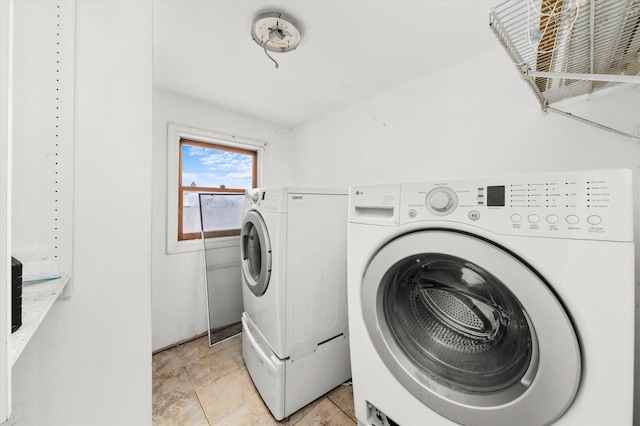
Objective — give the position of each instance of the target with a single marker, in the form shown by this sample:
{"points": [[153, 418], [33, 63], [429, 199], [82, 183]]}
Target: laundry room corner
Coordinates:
{"points": [[475, 118], [179, 302]]}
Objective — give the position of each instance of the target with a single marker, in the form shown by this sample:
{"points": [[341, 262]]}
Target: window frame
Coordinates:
{"points": [[182, 236], [175, 133]]}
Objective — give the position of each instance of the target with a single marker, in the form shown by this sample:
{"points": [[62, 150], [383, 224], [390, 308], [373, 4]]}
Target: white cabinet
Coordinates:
{"points": [[37, 40]]}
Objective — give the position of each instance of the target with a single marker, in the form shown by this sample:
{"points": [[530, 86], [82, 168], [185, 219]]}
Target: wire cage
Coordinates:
{"points": [[568, 48]]}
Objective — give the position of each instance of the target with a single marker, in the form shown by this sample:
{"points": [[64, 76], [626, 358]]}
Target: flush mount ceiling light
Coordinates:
{"points": [[275, 32]]}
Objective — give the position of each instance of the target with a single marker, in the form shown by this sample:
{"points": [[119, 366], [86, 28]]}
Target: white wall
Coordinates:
{"points": [[90, 361], [179, 306], [475, 119]]}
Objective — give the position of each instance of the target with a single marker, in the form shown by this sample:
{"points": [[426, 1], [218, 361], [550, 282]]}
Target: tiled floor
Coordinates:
{"points": [[194, 384]]}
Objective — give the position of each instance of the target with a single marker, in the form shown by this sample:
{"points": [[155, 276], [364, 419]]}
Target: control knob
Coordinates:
{"points": [[441, 201], [253, 196]]}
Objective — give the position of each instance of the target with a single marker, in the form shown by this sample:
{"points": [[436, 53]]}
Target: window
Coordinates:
{"points": [[216, 175], [177, 133]]}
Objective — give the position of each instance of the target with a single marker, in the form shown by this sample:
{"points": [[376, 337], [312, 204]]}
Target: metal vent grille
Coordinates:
{"points": [[567, 48]]}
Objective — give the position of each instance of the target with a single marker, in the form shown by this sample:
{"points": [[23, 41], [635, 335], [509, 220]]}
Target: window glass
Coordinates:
{"points": [[217, 176], [220, 212], [211, 167]]}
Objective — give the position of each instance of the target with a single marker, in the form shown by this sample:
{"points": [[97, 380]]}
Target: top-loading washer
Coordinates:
{"points": [[493, 301], [293, 255]]}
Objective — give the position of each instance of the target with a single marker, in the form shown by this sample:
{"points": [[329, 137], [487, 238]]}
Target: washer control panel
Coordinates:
{"points": [[277, 199], [594, 204], [268, 199]]}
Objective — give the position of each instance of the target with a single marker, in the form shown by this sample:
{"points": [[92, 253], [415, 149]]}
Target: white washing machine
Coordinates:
{"points": [[493, 301], [294, 273]]}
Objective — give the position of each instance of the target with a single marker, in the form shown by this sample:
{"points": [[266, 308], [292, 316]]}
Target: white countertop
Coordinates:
{"points": [[37, 299]]}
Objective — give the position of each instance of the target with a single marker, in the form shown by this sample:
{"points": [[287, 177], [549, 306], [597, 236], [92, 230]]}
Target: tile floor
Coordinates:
{"points": [[194, 384]]}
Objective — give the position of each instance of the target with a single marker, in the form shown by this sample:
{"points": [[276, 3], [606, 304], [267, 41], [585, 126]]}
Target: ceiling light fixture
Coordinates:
{"points": [[275, 32]]}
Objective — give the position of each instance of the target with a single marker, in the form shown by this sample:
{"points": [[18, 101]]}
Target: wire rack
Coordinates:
{"points": [[568, 48]]}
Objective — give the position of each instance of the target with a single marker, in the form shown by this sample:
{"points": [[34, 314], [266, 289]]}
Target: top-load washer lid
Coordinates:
{"points": [[255, 250], [470, 330]]}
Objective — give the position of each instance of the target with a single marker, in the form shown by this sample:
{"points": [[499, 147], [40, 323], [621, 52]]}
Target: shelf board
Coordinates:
{"points": [[37, 299]]}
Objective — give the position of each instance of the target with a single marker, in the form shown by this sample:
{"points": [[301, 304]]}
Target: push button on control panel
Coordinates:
{"points": [[552, 218], [594, 220], [516, 218], [572, 219], [474, 215], [533, 218]]}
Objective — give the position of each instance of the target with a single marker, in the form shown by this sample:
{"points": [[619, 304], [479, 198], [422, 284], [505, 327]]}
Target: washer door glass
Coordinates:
{"points": [[458, 322], [255, 251], [252, 247], [470, 330]]}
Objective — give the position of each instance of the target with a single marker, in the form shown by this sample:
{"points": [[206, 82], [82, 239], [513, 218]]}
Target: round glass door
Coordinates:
{"points": [[255, 249], [458, 322], [470, 330]]}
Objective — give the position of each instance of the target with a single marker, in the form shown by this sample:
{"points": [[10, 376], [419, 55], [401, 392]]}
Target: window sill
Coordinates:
{"points": [[37, 299]]}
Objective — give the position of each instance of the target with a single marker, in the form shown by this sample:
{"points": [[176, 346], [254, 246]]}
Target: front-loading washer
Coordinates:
{"points": [[493, 301], [294, 275]]}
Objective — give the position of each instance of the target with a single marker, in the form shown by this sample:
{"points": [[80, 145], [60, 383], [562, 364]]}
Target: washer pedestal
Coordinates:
{"points": [[311, 374]]}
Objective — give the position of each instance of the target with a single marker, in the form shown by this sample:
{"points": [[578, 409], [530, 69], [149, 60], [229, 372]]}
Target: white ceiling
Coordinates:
{"points": [[350, 50]]}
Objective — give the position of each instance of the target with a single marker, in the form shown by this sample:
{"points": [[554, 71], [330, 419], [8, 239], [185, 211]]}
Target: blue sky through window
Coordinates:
{"points": [[208, 167]]}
